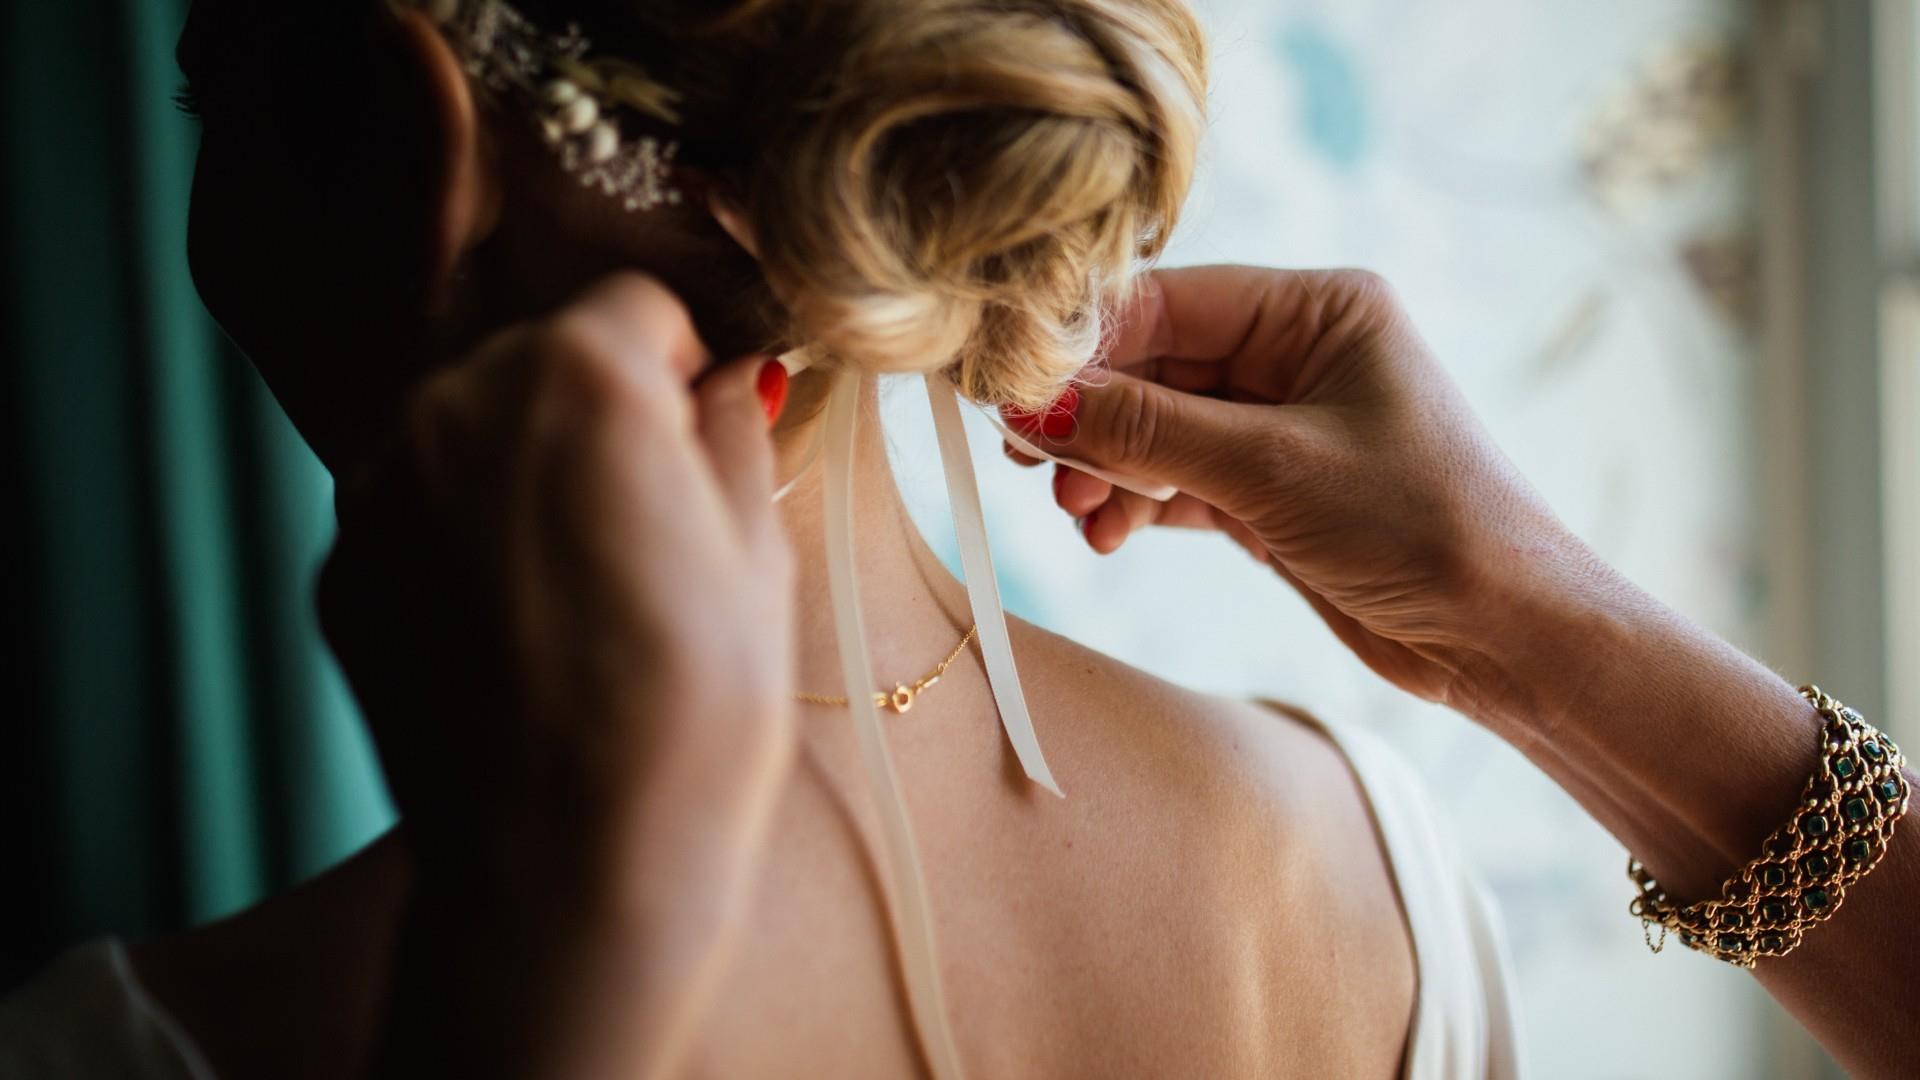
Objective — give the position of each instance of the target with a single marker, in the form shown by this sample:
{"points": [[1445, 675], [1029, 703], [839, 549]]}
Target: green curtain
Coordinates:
{"points": [[179, 744]]}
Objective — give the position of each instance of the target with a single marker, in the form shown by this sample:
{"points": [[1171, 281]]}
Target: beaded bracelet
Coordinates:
{"points": [[1846, 817]]}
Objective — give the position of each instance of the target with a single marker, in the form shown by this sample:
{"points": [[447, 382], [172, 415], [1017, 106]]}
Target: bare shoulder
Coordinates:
{"points": [[1253, 822], [1237, 764]]}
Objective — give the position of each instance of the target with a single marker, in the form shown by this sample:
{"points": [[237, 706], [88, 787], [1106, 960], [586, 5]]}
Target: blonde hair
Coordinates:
{"points": [[968, 185]]}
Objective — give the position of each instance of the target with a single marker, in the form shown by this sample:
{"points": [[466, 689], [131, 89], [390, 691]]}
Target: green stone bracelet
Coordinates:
{"points": [[1840, 832]]}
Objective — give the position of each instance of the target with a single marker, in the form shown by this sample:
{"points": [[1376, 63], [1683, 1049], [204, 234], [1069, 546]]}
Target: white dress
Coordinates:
{"points": [[1464, 1024], [87, 1016]]}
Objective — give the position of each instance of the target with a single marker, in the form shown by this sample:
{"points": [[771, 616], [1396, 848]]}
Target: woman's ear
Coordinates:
{"points": [[461, 182]]}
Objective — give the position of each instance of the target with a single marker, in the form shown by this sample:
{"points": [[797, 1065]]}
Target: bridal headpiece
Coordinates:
{"points": [[578, 99]]}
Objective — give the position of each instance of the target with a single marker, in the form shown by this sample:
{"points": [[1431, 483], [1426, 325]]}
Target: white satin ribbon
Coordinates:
{"points": [[906, 887], [907, 898], [983, 587]]}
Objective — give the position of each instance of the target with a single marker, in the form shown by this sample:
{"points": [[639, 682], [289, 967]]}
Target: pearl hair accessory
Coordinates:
{"points": [[576, 99]]}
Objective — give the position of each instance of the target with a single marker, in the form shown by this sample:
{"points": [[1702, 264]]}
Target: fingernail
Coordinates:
{"points": [[772, 385], [1019, 419], [1055, 421], [1058, 423], [1058, 476]]}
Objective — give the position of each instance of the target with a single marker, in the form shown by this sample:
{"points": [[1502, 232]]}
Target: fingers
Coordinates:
{"points": [[1240, 332], [622, 353], [633, 316], [1118, 518], [733, 432], [1108, 525], [1078, 493], [1023, 460], [1201, 445]]}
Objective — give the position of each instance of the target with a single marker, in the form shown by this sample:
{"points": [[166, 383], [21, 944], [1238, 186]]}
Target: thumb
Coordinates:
{"points": [[1206, 447]]}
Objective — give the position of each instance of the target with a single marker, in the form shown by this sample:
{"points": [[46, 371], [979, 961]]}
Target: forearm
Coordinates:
{"points": [[1691, 753]]}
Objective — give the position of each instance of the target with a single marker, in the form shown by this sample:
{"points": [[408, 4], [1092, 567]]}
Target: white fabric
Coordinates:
{"points": [[86, 1016], [1464, 1026]]}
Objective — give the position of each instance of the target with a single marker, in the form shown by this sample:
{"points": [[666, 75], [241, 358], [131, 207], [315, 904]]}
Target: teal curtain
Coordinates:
{"points": [[178, 742]]}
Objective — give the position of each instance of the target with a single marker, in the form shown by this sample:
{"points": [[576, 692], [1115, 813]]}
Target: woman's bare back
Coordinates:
{"points": [[1210, 899]]}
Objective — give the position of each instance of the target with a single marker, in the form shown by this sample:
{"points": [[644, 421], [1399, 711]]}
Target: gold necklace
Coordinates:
{"points": [[902, 697]]}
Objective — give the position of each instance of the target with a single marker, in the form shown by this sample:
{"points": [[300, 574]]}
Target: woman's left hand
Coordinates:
{"points": [[564, 600], [1299, 413]]}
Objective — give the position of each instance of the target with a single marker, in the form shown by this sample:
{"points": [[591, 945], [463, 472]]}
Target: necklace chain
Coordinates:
{"points": [[902, 696]]}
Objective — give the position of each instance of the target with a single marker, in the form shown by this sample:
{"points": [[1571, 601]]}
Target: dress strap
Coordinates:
{"points": [[1464, 1026]]}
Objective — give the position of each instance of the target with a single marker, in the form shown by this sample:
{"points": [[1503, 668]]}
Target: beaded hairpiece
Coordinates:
{"points": [[576, 98]]}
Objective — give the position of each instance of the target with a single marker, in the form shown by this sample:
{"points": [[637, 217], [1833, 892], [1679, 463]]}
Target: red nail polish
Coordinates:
{"points": [[1019, 419], [1055, 421], [1058, 422], [772, 385], [1059, 475]]}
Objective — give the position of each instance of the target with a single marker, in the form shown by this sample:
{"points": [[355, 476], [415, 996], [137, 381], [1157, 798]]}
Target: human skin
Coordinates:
{"points": [[604, 865], [496, 479], [350, 284], [557, 506], [1301, 414]]}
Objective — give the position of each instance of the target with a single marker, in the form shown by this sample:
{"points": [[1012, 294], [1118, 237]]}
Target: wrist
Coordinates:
{"points": [[1688, 749], [1547, 634]]}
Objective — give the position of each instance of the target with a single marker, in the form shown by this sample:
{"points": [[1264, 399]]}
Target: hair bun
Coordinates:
{"points": [[973, 184]]}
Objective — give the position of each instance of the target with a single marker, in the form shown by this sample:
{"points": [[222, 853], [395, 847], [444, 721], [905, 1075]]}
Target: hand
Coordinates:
{"points": [[564, 600], [1300, 414]]}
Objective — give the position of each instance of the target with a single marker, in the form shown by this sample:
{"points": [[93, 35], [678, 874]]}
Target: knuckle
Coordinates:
{"points": [[1299, 438], [638, 312], [570, 338], [579, 372], [642, 294], [1276, 446], [1366, 283], [1135, 423], [1368, 306], [1370, 295]]}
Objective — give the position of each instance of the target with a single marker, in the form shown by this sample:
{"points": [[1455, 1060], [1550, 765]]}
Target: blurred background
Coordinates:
{"points": [[1670, 248]]}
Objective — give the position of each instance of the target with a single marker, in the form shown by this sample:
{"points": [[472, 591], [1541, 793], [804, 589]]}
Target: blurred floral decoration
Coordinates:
{"points": [[1658, 134]]}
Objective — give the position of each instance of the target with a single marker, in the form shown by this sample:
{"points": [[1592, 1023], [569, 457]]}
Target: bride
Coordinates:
{"points": [[501, 274]]}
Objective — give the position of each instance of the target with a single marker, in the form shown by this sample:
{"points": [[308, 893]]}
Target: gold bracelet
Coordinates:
{"points": [[1846, 818]]}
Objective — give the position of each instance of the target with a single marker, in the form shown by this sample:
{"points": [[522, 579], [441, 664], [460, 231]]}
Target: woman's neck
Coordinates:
{"points": [[913, 607]]}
